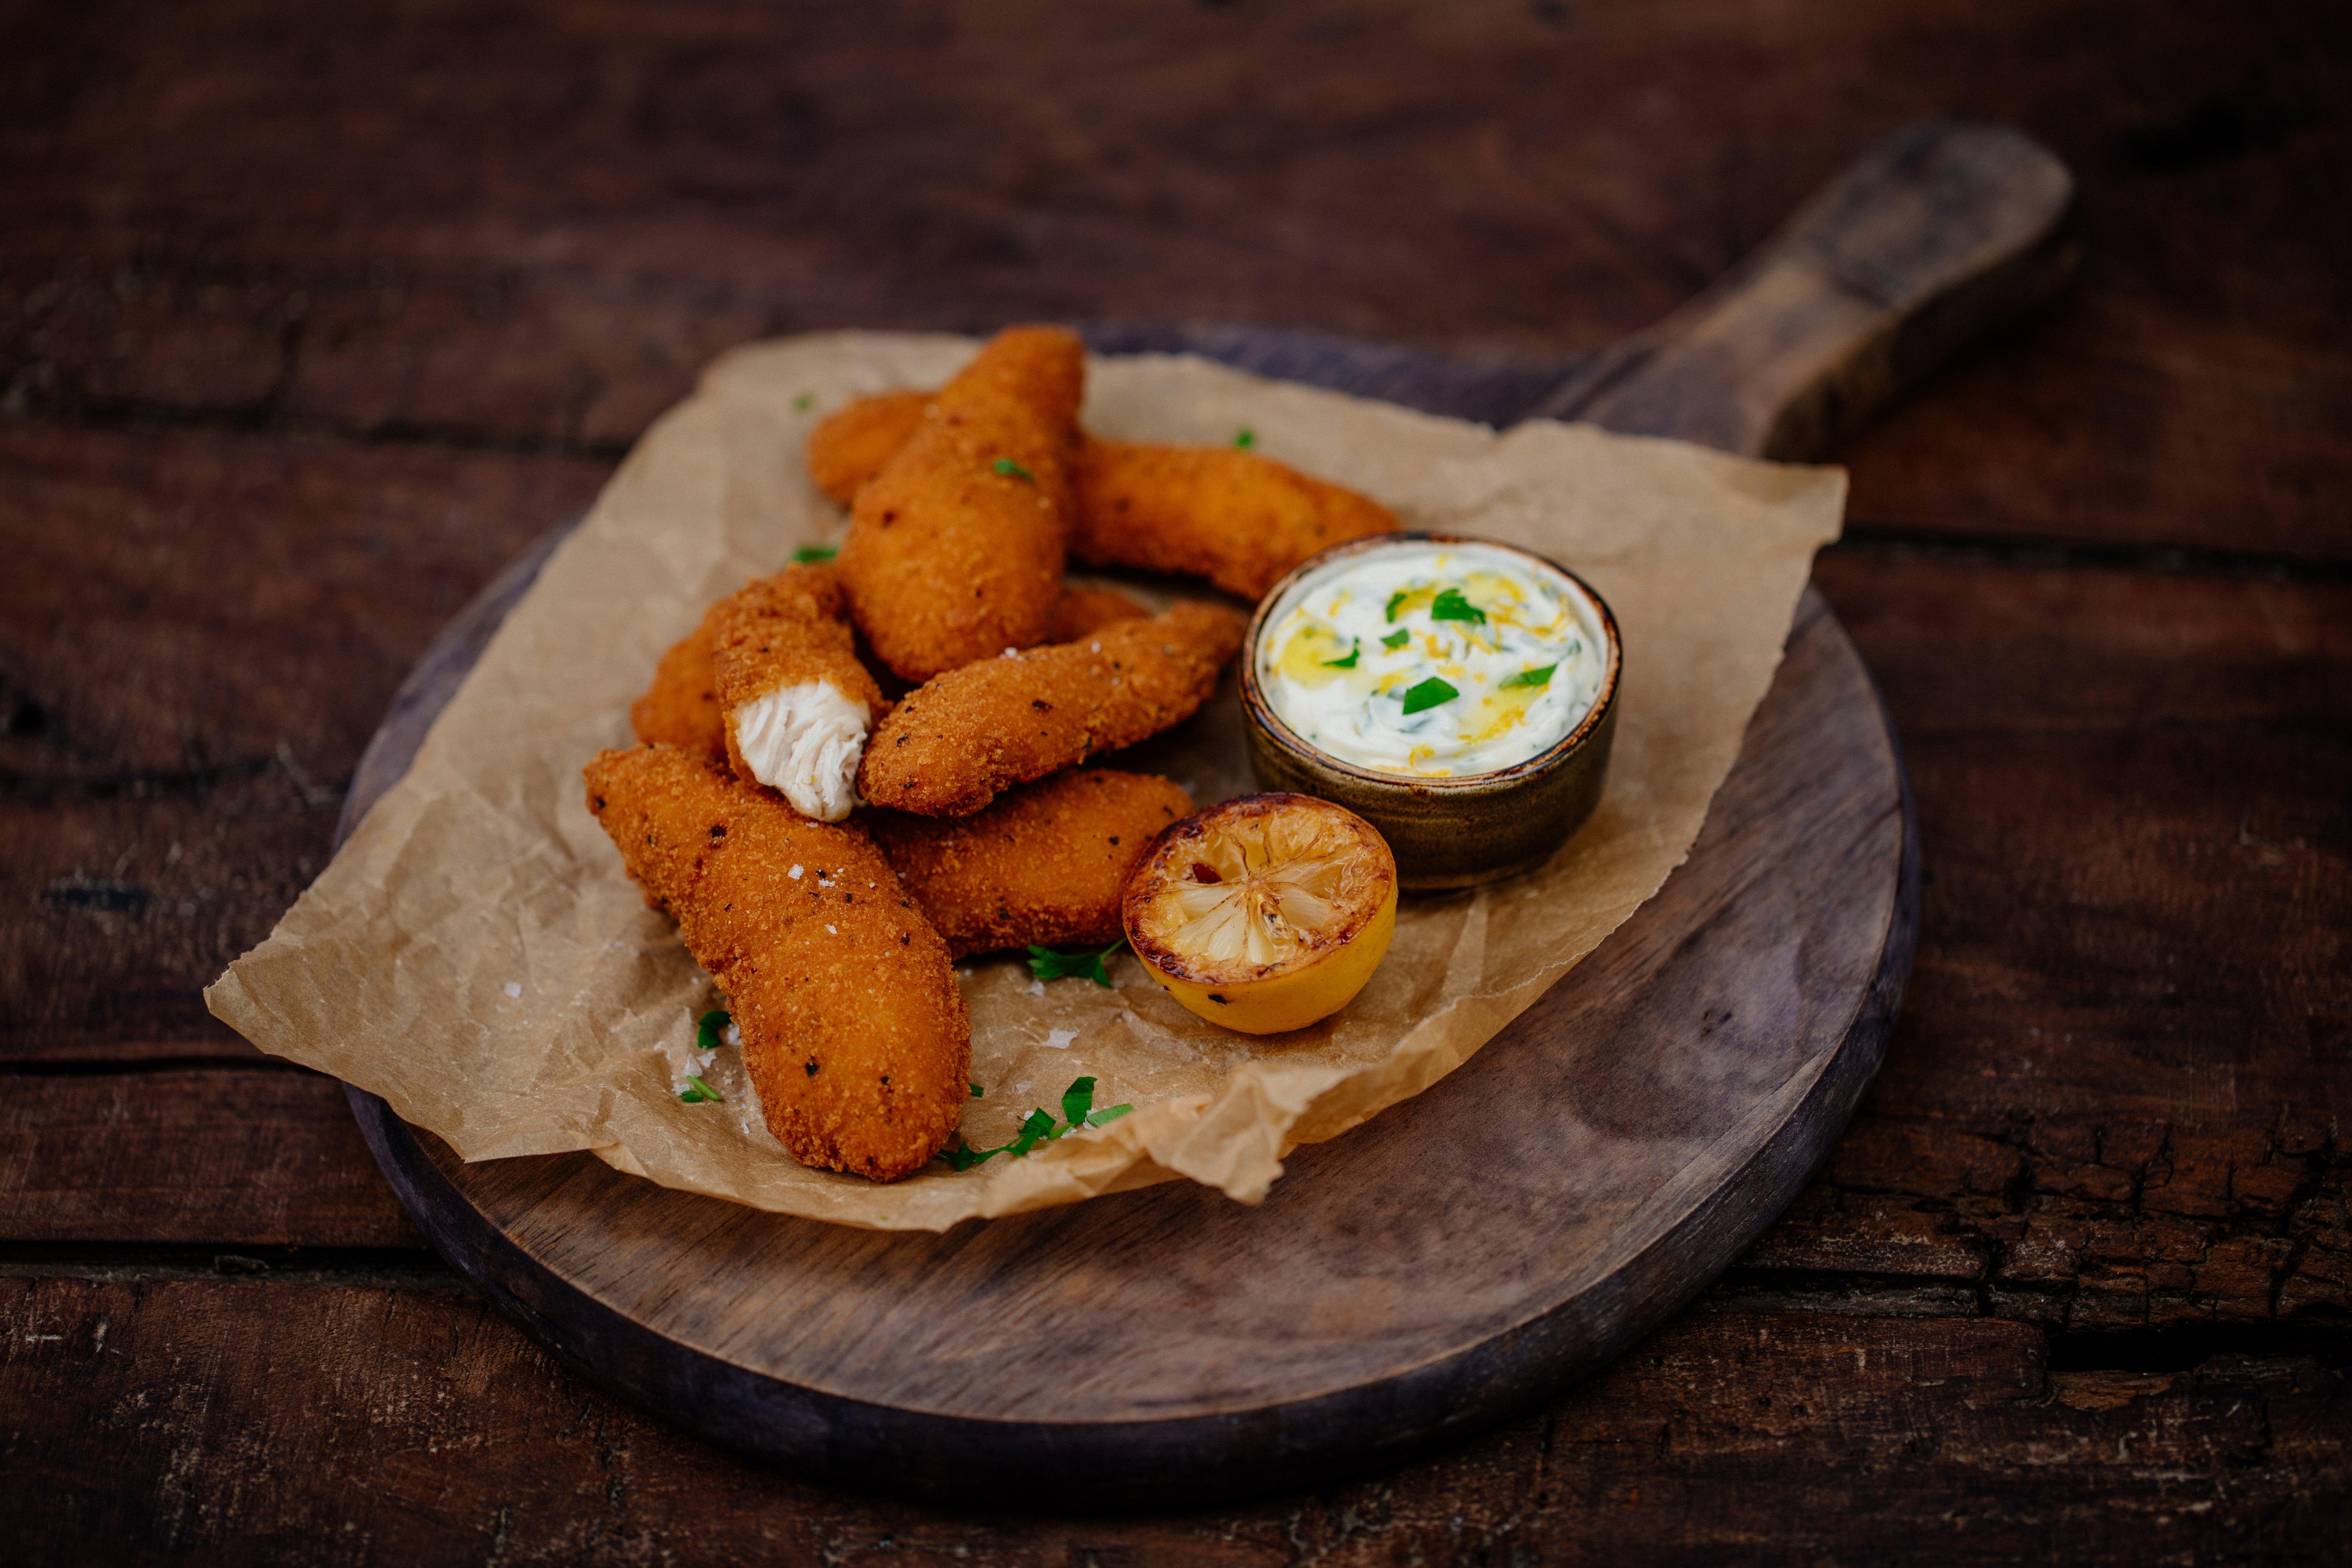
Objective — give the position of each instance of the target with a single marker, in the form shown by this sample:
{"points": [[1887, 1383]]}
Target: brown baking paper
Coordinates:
{"points": [[475, 956]]}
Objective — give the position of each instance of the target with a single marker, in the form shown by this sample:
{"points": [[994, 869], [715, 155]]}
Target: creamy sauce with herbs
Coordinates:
{"points": [[1437, 661]]}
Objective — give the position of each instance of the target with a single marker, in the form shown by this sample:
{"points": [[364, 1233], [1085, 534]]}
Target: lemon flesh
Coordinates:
{"points": [[1263, 914]]}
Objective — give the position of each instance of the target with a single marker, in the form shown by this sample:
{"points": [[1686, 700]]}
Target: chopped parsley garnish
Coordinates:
{"points": [[1355, 651], [1244, 438], [1527, 679], [1397, 639], [803, 403], [1040, 1127], [809, 555], [1451, 606], [710, 1030], [1012, 470], [1428, 695], [1396, 601], [977, 1092], [1048, 965], [697, 1092]]}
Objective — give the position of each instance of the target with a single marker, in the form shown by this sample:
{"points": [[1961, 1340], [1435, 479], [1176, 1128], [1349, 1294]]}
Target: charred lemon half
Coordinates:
{"points": [[1263, 914]]}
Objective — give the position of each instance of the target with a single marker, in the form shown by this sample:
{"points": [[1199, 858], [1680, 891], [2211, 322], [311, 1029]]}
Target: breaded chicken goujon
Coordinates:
{"points": [[955, 547], [851, 446], [1085, 611], [1234, 517], [1046, 862], [853, 1031], [798, 705], [681, 708], [951, 746]]}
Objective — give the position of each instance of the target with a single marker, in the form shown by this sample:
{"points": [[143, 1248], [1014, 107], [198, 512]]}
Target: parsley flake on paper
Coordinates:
{"points": [[1244, 438], [1429, 695], [710, 1030], [1048, 965], [809, 555], [1039, 1127], [1527, 679], [697, 1093], [803, 403], [1012, 470]]}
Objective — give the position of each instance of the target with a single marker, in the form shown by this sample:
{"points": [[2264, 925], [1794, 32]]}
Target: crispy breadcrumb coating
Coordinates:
{"points": [[1046, 862], [853, 1031], [682, 707], [951, 746], [955, 547], [851, 446], [1234, 517], [1085, 611], [797, 703]]}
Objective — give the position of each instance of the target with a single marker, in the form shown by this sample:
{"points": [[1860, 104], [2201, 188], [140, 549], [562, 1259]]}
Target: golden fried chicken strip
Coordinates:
{"points": [[681, 708], [1046, 862], [1085, 611], [851, 446], [853, 1031], [1234, 517], [955, 547], [797, 703], [951, 746]]}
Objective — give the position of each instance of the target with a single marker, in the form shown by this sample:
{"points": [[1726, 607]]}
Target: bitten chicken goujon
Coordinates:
{"points": [[797, 702]]}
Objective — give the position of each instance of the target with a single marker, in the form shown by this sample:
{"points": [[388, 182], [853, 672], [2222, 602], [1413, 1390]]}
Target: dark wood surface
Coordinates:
{"points": [[307, 325]]}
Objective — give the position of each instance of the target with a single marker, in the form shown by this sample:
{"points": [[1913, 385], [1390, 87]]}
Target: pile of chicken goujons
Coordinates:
{"points": [[828, 852]]}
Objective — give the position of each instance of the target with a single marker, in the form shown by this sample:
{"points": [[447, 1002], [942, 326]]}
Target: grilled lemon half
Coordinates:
{"points": [[1266, 913]]}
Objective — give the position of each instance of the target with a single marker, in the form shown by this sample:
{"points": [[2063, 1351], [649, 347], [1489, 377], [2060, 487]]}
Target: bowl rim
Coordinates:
{"points": [[1261, 712]]}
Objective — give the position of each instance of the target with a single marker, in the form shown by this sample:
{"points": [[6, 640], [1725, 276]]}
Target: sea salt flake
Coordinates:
{"points": [[1059, 1039], [794, 873], [514, 989]]}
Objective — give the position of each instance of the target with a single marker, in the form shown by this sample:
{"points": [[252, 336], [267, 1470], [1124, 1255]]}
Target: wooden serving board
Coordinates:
{"points": [[1460, 1256]]}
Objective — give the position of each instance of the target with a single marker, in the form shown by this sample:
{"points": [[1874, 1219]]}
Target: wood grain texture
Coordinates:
{"points": [[220, 214], [430, 1432], [198, 631], [1940, 234], [260, 1158], [452, 232]]}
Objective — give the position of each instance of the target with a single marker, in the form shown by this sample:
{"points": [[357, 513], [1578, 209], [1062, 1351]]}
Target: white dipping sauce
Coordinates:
{"points": [[1437, 661]]}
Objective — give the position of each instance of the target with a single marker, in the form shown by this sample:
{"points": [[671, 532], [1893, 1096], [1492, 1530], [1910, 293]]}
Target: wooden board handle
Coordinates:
{"points": [[1939, 234]]}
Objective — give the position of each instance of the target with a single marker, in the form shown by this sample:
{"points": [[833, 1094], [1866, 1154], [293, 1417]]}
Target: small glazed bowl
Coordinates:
{"points": [[1446, 832]]}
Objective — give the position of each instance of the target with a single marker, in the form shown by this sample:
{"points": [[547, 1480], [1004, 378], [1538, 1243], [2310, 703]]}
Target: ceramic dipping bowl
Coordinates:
{"points": [[1446, 833]]}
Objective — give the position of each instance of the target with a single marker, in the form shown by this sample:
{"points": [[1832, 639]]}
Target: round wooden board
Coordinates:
{"points": [[1449, 1264]]}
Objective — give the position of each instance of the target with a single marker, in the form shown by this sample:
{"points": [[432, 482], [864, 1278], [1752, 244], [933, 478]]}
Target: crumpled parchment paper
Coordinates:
{"points": [[475, 956]]}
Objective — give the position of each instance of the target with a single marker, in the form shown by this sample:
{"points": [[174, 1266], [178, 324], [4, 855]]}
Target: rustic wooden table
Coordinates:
{"points": [[312, 318]]}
